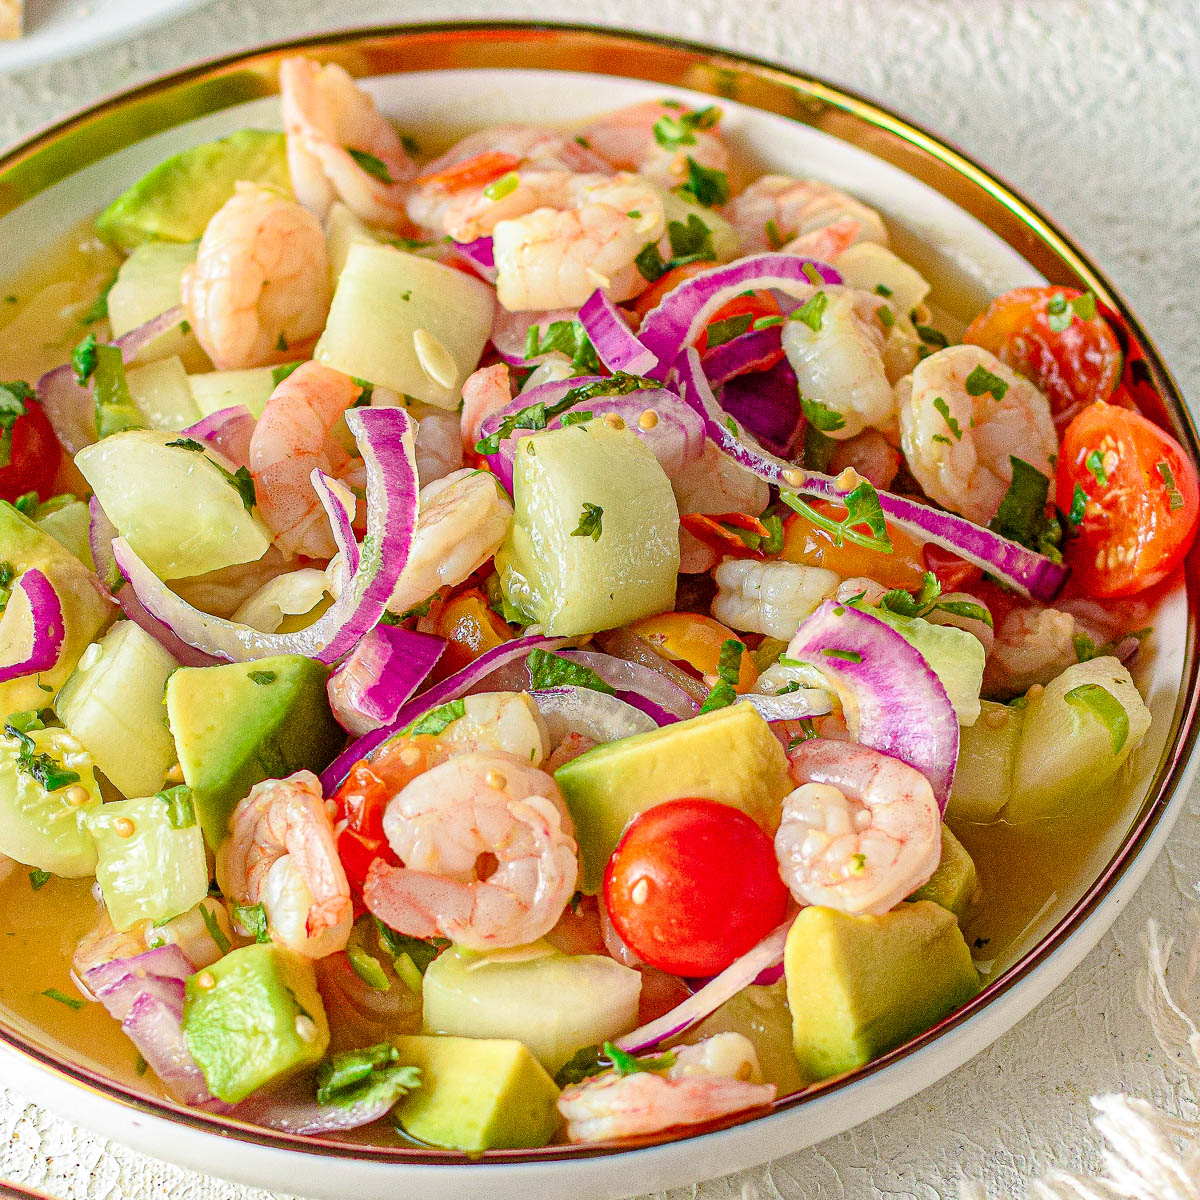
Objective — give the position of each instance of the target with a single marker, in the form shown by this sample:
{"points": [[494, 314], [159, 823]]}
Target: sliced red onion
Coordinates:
{"points": [[228, 431], [1030, 573], [751, 351], [686, 309], [616, 345], [634, 679], [659, 715], [597, 715], [792, 706], [294, 1108], [510, 332], [70, 407], [101, 532], [117, 980], [891, 699], [47, 625], [478, 255], [380, 675], [737, 976], [384, 437], [767, 403], [450, 688]]}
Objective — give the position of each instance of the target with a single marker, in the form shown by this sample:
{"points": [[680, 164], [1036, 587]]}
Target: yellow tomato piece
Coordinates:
{"points": [[470, 628], [804, 542], [694, 639]]}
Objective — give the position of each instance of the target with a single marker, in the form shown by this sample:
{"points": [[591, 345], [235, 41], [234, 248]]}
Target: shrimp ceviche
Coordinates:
{"points": [[546, 644]]}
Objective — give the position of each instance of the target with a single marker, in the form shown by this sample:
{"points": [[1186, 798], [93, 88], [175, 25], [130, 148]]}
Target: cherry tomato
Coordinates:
{"points": [[694, 639], [475, 171], [953, 573], [693, 885], [1074, 365], [806, 542], [672, 279], [470, 628], [759, 304], [715, 532], [1139, 499], [34, 452]]}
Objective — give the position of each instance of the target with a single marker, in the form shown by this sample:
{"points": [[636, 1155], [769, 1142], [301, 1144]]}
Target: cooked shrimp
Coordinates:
{"points": [[796, 212], [958, 444], [1032, 645], [627, 140], [839, 363], [861, 832], [453, 822], [192, 932], [328, 120], [281, 853], [474, 214], [462, 521], [557, 257], [870, 455], [715, 1077], [290, 439], [437, 445], [103, 943], [714, 483], [771, 598], [259, 288], [485, 393]]}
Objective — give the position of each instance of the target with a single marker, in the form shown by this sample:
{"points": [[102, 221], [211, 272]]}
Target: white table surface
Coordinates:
{"points": [[1092, 107]]}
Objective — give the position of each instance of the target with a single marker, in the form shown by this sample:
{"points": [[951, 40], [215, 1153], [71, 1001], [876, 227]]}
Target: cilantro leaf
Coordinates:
{"points": [[436, 719], [14, 402], [565, 337], [40, 767], [548, 670], [591, 522], [1095, 465], [38, 879], [1102, 704], [777, 238], [942, 407], [99, 307], [83, 359], [629, 1064], [181, 812], [1079, 499], [905, 604], [821, 416], [583, 1064], [720, 332], [251, 919], [982, 380], [673, 132], [375, 167], [240, 480], [419, 951], [862, 508], [366, 1077], [1021, 516], [812, 311], [214, 929], [706, 186]]}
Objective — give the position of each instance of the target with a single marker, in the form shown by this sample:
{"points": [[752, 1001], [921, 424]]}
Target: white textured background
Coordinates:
{"points": [[1092, 107]]}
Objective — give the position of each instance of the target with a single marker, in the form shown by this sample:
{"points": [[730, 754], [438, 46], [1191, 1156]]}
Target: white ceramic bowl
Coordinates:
{"points": [[950, 217]]}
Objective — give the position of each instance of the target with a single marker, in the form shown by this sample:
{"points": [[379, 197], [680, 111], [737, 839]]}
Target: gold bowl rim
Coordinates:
{"points": [[174, 98]]}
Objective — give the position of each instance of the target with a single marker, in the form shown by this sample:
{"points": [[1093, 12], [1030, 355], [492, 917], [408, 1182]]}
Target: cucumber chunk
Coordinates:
{"points": [[594, 541], [955, 656], [676, 208], [983, 778], [151, 864], [148, 283], [251, 388], [406, 323], [163, 394], [342, 230], [68, 522], [45, 828], [554, 1003], [176, 506], [113, 704]]}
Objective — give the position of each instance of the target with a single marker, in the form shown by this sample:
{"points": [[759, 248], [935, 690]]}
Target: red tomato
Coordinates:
{"points": [[759, 304], [475, 171], [1074, 365], [34, 453], [954, 574], [1142, 506], [660, 287], [693, 885]]}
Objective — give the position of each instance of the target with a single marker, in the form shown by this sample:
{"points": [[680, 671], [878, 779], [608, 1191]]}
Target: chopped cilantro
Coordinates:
{"points": [[251, 919], [38, 879], [181, 812], [773, 542], [583, 1064], [705, 186], [45, 770], [262, 678], [673, 132], [99, 307], [420, 952], [436, 719], [849, 655], [690, 242], [14, 400], [591, 522], [1095, 465], [821, 416], [214, 929], [548, 670], [905, 604], [629, 1064], [575, 418], [982, 380], [931, 336], [862, 508], [240, 480], [887, 318], [1021, 516], [940, 404], [1079, 499], [818, 448], [1102, 704], [882, 289], [83, 359], [812, 311], [729, 666], [361, 1077], [565, 337], [375, 167], [281, 344], [281, 372], [775, 238], [720, 332]]}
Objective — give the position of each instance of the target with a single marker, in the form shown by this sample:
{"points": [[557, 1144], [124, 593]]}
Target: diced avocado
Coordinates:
{"points": [[477, 1094], [251, 388], [85, 611], [68, 522], [113, 703], [858, 986], [252, 1018], [594, 541], [729, 755], [1075, 735], [954, 883], [42, 827], [987, 751], [955, 656], [163, 394], [238, 724], [553, 1002], [147, 285], [174, 201], [151, 857]]}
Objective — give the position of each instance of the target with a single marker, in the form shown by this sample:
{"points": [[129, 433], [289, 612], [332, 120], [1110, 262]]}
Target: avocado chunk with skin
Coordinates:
{"points": [[85, 611], [238, 724], [174, 201], [954, 884], [254, 1017], [729, 755], [858, 986], [477, 1094]]}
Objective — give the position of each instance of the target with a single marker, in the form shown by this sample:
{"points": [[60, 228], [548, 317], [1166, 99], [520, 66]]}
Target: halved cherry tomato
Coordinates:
{"points": [[672, 279], [759, 304], [692, 885], [33, 450], [470, 628], [1142, 501], [475, 171], [694, 639], [715, 532], [804, 542], [1074, 365], [953, 573]]}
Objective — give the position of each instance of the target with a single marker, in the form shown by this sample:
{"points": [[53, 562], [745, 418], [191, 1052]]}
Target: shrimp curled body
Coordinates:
{"points": [[281, 853], [444, 821], [860, 833]]}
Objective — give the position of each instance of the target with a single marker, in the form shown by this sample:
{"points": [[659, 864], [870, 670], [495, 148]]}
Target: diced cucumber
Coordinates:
{"points": [[113, 703], [406, 323], [1075, 735], [39, 827], [553, 1002], [162, 394], [147, 285], [983, 779], [594, 541], [151, 864], [176, 505], [252, 388], [726, 243], [874, 268], [342, 230], [68, 523], [955, 656]]}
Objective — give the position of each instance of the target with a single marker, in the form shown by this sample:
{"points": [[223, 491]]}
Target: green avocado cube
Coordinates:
{"points": [[729, 755], [254, 1017], [858, 986], [954, 884], [238, 724], [174, 201], [477, 1094]]}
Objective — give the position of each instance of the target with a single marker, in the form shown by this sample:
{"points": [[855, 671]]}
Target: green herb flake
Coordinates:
{"points": [[281, 344], [99, 307], [720, 332], [69, 1001], [1059, 314], [887, 318], [942, 407], [1079, 499], [931, 336], [583, 1064], [419, 951], [1174, 495], [852, 656], [966, 609], [862, 508], [776, 238], [707, 187], [52, 775], [547, 670], [504, 186], [262, 678], [905, 604], [629, 1064], [251, 919], [355, 1077], [1021, 516], [565, 337], [214, 929], [591, 522], [373, 166], [1095, 465], [281, 372], [812, 311], [27, 504], [982, 380], [181, 811], [83, 359], [821, 416], [38, 879], [240, 480], [115, 410], [436, 720], [574, 418], [368, 968], [882, 289], [1085, 306], [1102, 704], [14, 401], [672, 132], [766, 322]]}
